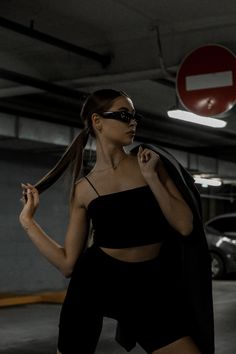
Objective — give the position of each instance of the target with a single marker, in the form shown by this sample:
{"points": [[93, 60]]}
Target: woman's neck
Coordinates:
{"points": [[109, 158]]}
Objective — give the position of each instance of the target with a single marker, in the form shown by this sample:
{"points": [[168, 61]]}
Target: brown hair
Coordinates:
{"points": [[97, 102]]}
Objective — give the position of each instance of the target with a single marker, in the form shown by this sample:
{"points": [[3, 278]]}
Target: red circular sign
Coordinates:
{"points": [[206, 81]]}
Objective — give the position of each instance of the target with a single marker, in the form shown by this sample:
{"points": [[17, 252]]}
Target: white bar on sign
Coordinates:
{"points": [[211, 80]]}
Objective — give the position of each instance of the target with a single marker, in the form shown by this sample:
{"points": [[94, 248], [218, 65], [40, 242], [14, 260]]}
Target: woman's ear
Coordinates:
{"points": [[96, 121]]}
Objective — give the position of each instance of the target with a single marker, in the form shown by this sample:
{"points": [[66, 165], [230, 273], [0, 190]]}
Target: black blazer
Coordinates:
{"points": [[192, 251]]}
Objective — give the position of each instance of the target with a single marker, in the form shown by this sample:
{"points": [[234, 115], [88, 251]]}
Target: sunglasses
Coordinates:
{"points": [[123, 116]]}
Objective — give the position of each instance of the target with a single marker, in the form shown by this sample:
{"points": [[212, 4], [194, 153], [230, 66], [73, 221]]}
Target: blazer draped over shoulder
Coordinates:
{"points": [[193, 253]]}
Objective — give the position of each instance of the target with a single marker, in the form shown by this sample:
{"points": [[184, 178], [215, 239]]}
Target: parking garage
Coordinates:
{"points": [[52, 57]]}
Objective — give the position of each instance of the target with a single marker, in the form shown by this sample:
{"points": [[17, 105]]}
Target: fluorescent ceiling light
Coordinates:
{"points": [[205, 182], [194, 118]]}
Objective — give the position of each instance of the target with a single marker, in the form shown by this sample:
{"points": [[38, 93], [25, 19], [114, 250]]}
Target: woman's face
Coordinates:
{"points": [[115, 130]]}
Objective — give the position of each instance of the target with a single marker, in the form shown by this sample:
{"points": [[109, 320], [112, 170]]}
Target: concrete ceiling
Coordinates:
{"points": [[53, 53]]}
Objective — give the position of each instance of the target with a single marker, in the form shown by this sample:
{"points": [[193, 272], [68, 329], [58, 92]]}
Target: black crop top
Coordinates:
{"points": [[128, 218]]}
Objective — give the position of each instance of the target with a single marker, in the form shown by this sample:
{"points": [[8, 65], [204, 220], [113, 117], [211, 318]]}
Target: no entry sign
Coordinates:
{"points": [[206, 81]]}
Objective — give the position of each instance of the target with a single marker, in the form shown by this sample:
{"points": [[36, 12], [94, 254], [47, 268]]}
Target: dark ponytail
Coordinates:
{"points": [[72, 157]]}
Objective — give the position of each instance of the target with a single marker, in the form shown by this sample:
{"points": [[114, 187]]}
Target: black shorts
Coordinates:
{"points": [[146, 295]]}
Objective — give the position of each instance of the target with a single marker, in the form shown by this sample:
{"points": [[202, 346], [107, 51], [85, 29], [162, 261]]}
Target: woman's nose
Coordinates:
{"points": [[133, 122]]}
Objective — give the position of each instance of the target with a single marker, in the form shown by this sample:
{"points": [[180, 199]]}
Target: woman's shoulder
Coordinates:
{"points": [[81, 190], [79, 183]]}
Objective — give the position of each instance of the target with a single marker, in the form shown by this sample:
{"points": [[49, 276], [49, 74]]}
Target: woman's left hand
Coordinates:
{"points": [[148, 161]]}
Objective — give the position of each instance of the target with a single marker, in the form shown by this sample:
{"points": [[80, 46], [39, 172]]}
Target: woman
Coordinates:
{"points": [[134, 205]]}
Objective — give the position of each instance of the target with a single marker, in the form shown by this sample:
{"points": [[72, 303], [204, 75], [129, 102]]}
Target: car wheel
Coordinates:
{"points": [[217, 266]]}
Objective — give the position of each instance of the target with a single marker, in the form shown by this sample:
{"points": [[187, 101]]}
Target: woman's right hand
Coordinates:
{"points": [[30, 201]]}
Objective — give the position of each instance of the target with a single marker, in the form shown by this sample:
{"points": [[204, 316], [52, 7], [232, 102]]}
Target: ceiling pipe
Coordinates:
{"points": [[132, 76], [166, 82], [167, 73], [105, 60], [42, 85], [97, 80]]}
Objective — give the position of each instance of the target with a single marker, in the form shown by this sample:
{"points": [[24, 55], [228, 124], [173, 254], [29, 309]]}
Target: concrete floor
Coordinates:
{"points": [[32, 329]]}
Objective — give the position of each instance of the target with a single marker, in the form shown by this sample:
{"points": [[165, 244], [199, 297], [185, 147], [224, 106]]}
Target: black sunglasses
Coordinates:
{"points": [[123, 116]]}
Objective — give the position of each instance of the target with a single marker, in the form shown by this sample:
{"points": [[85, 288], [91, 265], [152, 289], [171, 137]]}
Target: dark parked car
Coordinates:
{"points": [[221, 238]]}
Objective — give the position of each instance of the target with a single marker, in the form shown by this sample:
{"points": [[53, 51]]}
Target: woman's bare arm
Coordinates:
{"points": [[174, 207], [62, 257]]}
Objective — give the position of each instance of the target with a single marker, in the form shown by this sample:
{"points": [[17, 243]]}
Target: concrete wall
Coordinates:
{"points": [[23, 269]]}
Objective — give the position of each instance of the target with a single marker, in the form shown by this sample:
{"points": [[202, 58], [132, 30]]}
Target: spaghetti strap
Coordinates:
{"points": [[91, 185]]}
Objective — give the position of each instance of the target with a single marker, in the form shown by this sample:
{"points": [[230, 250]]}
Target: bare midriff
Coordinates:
{"points": [[134, 254]]}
